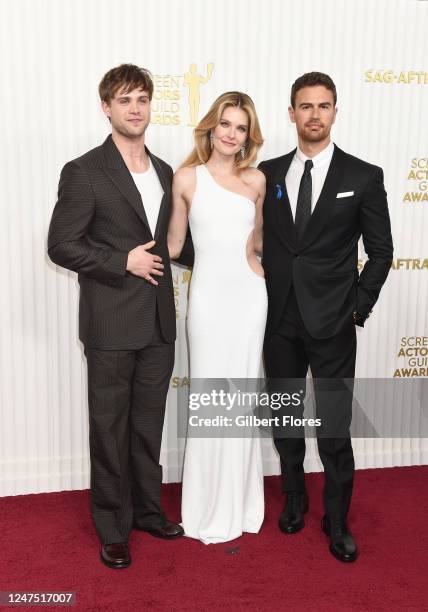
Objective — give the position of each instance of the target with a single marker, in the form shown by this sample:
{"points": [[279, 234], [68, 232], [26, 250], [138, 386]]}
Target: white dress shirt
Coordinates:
{"points": [[318, 173], [151, 192]]}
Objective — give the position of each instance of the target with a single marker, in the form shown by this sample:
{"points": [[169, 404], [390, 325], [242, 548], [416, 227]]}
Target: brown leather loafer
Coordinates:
{"points": [[167, 531], [115, 555]]}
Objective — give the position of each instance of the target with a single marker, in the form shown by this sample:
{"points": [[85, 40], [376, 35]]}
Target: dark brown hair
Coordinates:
{"points": [[309, 80], [125, 77]]}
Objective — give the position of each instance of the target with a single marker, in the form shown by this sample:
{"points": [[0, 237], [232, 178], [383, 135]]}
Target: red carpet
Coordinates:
{"points": [[49, 544]]}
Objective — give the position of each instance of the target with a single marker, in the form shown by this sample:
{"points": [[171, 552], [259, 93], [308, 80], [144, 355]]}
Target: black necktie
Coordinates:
{"points": [[303, 208]]}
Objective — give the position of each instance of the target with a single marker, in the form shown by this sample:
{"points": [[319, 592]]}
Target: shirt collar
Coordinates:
{"points": [[146, 172], [321, 159]]}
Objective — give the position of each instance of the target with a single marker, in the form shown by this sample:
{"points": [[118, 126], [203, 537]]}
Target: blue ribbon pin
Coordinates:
{"points": [[278, 192]]}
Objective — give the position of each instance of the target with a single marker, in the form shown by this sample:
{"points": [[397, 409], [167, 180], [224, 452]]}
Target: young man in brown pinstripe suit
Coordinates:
{"points": [[110, 225]]}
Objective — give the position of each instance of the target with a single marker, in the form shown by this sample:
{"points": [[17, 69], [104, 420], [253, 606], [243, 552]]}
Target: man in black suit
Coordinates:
{"points": [[319, 202], [110, 226]]}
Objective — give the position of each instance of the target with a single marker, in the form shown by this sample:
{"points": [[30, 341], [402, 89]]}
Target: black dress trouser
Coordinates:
{"points": [[127, 392], [288, 353]]}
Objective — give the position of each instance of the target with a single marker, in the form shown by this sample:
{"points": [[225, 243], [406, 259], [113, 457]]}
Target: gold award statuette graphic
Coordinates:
{"points": [[418, 173], [193, 81], [168, 107]]}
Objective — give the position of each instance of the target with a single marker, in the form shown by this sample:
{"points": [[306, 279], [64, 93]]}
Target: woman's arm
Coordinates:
{"points": [[258, 224], [255, 240], [184, 180]]}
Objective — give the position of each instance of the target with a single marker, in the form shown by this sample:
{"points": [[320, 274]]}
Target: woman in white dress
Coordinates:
{"points": [[221, 197]]}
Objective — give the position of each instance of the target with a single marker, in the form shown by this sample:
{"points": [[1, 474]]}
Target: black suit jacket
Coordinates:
{"points": [[98, 218], [323, 266]]}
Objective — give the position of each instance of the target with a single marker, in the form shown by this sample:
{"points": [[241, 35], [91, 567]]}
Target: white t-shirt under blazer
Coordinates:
{"points": [[151, 192]]}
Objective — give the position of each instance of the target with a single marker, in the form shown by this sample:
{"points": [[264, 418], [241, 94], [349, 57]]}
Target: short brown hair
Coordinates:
{"points": [[309, 80], [126, 77]]}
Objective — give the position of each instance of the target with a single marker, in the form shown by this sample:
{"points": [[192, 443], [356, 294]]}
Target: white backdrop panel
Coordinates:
{"points": [[55, 52]]}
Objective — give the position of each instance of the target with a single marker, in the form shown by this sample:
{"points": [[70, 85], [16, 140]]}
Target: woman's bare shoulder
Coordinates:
{"points": [[185, 172], [185, 177], [253, 176]]}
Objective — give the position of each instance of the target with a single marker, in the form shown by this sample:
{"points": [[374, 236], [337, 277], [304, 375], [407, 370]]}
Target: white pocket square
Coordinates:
{"points": [[345, 194]]}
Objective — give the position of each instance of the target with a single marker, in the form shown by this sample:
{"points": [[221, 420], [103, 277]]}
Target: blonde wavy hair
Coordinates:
{"points": [[202, 149]]}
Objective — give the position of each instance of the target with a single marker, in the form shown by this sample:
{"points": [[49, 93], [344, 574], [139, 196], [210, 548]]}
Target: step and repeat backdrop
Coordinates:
{"points": [[54, 54]]}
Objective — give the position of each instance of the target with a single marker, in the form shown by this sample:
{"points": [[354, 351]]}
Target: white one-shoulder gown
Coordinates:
{"points": [[223, 477]]}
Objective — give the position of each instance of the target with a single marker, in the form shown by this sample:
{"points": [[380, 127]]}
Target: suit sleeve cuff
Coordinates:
{"points": [[359, 318]]}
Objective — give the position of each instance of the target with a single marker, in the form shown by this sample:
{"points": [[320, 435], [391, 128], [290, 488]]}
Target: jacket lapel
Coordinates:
{"points": [[326, 199], [282, 204], [163, 210], [118, 172]]}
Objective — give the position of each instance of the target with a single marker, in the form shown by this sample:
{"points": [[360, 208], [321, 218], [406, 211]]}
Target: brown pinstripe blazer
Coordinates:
{"points": [[98, 218]]}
